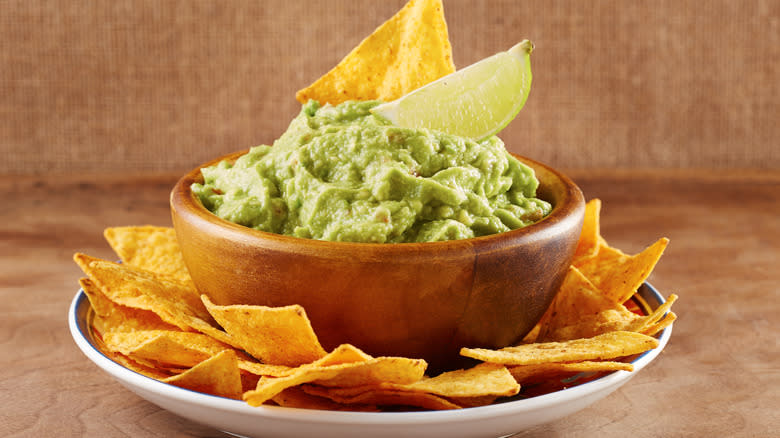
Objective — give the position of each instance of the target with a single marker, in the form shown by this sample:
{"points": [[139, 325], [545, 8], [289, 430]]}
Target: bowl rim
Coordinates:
{"points": [[571, 207]]}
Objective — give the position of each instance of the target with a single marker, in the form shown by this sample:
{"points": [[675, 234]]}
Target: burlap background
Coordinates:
{"points": [[134, 85]]}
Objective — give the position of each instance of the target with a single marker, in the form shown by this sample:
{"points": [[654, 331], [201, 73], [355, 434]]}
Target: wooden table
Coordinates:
{"points": [[719, 375]]}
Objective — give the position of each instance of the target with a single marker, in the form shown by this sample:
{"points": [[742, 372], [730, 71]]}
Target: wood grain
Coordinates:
{"points": [[718, 376]]}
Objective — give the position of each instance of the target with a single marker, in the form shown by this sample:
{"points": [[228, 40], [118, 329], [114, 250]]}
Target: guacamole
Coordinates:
{"points": [[340, 173]]}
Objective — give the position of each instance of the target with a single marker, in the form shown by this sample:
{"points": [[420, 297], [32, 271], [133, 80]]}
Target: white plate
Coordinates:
{"points": [[236, 417]]}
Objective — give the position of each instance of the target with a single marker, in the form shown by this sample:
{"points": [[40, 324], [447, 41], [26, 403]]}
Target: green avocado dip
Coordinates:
{"points": [[340, 173]]}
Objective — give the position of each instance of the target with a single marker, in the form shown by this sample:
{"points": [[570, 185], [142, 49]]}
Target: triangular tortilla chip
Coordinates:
{"points": [[619, 275], [588, 245], [171, 300], [295, 397], [386, 396], [656, 321], [480, 380], [166, 347], [605, 346], [485, 379], [264, 369], [218, 375], [408, 51], [274, 335], [143, 369], [151, 248], [344, 366], [111, 317], [579, 301], [526, 374], [141, 289]]}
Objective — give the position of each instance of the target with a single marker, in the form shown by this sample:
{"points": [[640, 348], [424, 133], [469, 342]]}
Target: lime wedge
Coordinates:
{"points": [[475, 102]]}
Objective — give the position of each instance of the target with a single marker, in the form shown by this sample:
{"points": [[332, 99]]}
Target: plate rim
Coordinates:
{"points": [[126, 376]]}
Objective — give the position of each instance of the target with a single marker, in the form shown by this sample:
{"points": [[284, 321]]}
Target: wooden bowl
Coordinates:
{"points": [[419, 300]]}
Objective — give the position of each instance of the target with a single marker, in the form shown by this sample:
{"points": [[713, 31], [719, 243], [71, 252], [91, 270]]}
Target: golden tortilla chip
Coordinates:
{"points": [[172, 301], [154, 249], [385, 397], [619, 275], [297, 398], [408, 51], [168, 348], [376, 370], [593, 325], [143, 369], [218, 375], [588, 245], [485, 379], [618, 319], [655, 328], [274, 335], [342, 367], [473, 402], [605, 346], [576, 298], [111, 317], [344, 353], [263, 369], [581, 308], [476, 386], [531, 336], [656, 321], [526, 374], [140, 289]]}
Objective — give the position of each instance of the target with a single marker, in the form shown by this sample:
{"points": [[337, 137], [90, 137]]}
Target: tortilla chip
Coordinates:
{"points": [[481, 380], [344, 353], [383, 396], [654, 329], [531, 336], [473, 402], [132, 365], [172, 301], [100, 304], [140, 289], [338, 369], [576, 298], [527, 374], [476, 386], [619, 275], [408, 51], [263, 369], [588, 245], [618, 319], [111, 317], [274, 335], [297, 398], [659, 319], [167, 348], [485, 379], [218, 375], [592, 325], [583, 310], [154, 249], [605, 346]]}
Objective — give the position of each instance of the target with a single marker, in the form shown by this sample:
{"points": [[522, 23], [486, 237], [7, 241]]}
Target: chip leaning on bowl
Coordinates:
{"points": [[340, 173]]}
